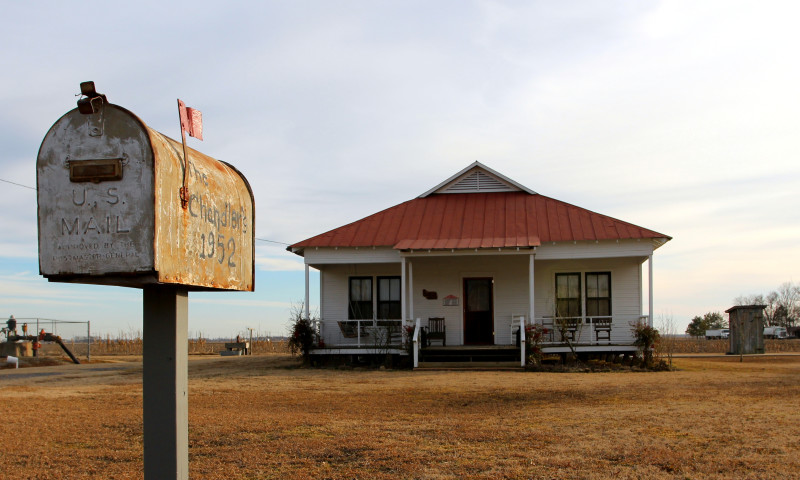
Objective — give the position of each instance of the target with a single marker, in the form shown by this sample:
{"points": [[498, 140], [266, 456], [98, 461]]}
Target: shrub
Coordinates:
{"points": [[533, 343], [302, 336], [646, 338]]}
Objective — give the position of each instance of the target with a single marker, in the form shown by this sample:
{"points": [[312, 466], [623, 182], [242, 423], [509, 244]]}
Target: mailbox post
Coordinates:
{"points": [[110, 213]]}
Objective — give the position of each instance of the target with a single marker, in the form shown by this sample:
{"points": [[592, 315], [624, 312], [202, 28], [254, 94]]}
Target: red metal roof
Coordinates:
{"points": [[478, 220]]}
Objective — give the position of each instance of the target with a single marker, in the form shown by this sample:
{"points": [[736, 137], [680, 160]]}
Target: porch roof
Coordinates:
{"points": [[478, 220]]}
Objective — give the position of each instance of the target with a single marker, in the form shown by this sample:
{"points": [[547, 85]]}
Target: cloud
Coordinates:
{"points": [[275, 264]]}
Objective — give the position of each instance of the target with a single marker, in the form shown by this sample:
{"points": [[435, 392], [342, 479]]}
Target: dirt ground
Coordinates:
{"points": [[263, 417]]}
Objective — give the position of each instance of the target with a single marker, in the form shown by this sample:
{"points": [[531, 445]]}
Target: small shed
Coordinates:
{"points": [[747, 329]]}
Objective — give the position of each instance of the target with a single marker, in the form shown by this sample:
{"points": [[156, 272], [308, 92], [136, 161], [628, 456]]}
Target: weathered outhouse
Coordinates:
{"points": [[747, 329]]}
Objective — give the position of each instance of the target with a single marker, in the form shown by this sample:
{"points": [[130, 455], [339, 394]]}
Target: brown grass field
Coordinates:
{"points": [[263, 417]]}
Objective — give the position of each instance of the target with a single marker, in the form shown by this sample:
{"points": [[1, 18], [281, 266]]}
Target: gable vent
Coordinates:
{"points": [[479, 182]]}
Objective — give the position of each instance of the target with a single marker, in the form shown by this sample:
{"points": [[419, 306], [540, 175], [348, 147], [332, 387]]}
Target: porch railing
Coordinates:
{"points": [[364, 333], [583, 330]]}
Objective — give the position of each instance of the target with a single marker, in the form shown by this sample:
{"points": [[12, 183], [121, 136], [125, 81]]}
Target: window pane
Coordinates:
{"points": [[604, 307], [562, 288], [360, 305], [603, 286], [591, 286], [598, 294], [366, 289], [383, 289], [568, 295], [574, 286]]}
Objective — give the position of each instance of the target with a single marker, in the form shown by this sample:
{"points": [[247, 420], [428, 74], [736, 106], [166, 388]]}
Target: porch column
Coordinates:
{"points": [[403, 289], [531, 297], [411, 288], [650, 286], [307, 314]]}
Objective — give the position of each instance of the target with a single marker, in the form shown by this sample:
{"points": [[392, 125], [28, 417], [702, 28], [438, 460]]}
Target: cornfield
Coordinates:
{"points": [[132, 344], [701, 345]]}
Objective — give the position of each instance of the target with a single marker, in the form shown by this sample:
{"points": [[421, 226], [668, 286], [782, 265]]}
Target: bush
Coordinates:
{"points": [[533, 344], [646, 338], [302, 336]]}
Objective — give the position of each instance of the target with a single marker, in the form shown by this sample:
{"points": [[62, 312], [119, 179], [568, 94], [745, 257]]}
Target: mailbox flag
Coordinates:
{"points": [[191, 120]]}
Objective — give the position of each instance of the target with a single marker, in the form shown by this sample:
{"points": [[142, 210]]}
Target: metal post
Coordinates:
{"points": [[165, 383], [88, 340]]}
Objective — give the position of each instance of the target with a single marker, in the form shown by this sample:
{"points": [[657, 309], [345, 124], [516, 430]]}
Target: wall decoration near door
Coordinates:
{"points": [[478, 311]]}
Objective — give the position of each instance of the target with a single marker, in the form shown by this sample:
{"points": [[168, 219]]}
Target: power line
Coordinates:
{"points": [[17, 184], [272, 241], [32, 188]]}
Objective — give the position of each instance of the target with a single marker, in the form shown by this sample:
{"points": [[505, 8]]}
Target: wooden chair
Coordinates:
{"points": [[517, 321], [602, 326], [436, 330]]}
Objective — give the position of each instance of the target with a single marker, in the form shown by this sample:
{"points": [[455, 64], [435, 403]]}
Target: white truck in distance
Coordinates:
{"points": [[775, 332], [721, 333]]}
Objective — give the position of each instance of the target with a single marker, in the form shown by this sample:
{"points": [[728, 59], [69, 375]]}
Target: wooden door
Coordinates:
{"points": [[478, 311]]}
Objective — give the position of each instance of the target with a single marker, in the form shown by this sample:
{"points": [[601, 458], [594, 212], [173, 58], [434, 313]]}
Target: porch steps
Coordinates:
{"points": [[470, 366], [490, 357]]}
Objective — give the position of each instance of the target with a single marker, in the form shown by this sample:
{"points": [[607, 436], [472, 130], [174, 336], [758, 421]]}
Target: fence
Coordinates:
{"points": [[75, 334], [131, 344]]}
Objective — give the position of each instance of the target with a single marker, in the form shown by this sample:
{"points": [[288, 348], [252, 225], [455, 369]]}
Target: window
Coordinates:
{"points": [[568, 295], [389, 298], [598, 294], [360, 304]]}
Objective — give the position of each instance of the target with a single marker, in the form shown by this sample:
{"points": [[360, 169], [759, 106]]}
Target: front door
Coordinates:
{"points": [[478, 308]]}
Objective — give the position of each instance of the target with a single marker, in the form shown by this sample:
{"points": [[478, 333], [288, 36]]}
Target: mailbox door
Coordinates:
{"points": [[95, 196]]}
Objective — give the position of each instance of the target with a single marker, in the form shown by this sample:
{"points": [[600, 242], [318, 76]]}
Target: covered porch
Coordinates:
{"points": [[481, 298]]}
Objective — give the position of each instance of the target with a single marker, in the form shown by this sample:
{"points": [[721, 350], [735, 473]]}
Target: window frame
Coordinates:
{"points": [[598, 298], [358, 306], [578, 299], [390, 304]]}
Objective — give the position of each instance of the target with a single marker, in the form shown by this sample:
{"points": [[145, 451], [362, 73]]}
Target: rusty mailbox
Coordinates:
{"points": [[112, 210]]}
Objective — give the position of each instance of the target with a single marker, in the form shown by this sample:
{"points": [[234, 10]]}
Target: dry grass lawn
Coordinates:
{"points": [[261, 417]]}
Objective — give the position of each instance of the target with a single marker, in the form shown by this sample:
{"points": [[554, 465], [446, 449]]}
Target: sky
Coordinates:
{"points": [[678, 116]]}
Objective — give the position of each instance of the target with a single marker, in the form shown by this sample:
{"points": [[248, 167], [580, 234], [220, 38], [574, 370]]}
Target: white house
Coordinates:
{"points": [[484, 253]]}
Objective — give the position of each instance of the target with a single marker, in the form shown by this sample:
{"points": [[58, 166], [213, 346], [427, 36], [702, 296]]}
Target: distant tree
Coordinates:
{"points": [[710, 321], [788, 302], [696, 327], [715, 320], [782, 306]]}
